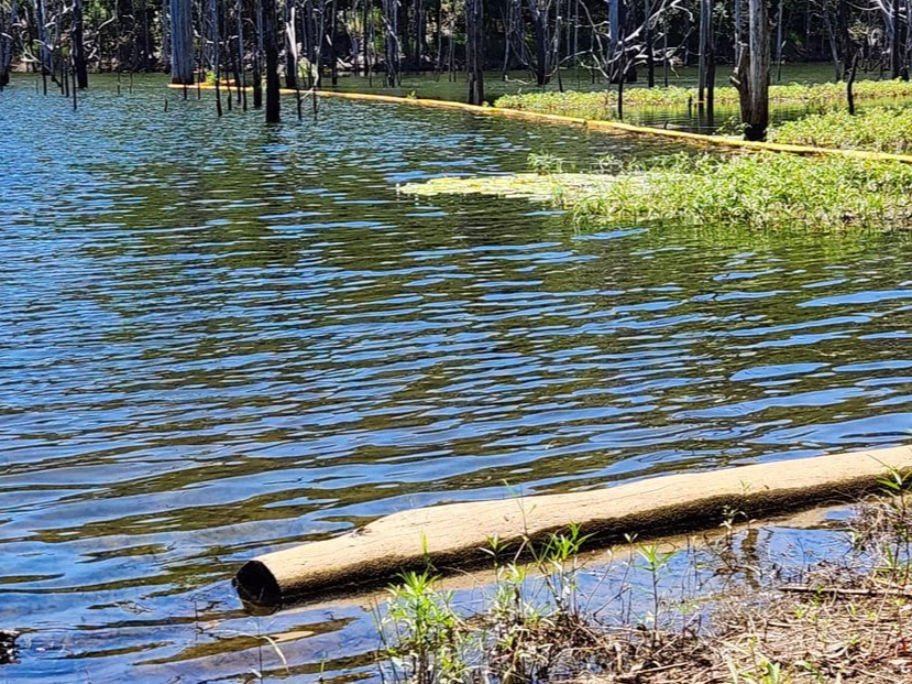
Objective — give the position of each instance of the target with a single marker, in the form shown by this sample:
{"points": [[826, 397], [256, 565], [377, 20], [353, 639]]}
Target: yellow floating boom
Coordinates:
{"points": [[593, 124]]}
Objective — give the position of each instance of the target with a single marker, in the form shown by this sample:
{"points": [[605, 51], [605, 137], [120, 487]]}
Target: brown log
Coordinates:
{"points": [[455, 536]]}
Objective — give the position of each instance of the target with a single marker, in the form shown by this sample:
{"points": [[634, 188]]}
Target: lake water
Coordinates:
{"points": [[219, 338]]}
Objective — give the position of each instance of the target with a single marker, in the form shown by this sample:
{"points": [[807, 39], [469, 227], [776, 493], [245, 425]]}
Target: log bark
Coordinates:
{"points": [[455, 536]]}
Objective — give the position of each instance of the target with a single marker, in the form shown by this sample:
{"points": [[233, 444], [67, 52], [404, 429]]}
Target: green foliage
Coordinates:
{"points": [[423, 633], [602, 104], [757, 191], [879, 129], [544, 164], [517, 637]]}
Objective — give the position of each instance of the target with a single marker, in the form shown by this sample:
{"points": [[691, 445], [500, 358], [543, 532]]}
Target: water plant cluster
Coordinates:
{"points": [[602, 104], [748, 617], [755, 190], [878, 129], [752, 190]]}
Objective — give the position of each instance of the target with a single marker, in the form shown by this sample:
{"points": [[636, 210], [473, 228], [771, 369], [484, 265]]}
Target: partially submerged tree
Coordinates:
{"points": [[752, 74], [271, 50], [181, 42], [475, 50]]}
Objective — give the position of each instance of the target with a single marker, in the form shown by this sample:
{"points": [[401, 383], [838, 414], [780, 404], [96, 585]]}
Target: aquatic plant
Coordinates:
{"points": [[772, 621], [751, 190], [602, 104], [758, 190], [879, 129]]}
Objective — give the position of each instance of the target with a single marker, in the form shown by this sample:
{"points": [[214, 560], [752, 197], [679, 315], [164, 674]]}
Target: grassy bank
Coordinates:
{"points": [[879, 129], [716, 611], [603, 104], [763, 190]]}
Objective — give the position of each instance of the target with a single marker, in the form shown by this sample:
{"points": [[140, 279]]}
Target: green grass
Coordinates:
{"points": [[602, 104], [748, 190], [758, 191], [878, 129]]}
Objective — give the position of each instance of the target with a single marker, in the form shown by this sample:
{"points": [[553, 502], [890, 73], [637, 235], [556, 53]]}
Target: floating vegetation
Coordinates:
{"points": [[603, 104], [536, 186], [878, 129], [764, 190]]}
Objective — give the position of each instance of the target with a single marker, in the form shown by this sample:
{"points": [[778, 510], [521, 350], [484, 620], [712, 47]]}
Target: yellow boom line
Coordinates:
{"points": [[594, 125]]}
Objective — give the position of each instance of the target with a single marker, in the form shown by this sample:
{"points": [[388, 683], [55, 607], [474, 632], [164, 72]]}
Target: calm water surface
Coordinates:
{"points": [[219, 338]]}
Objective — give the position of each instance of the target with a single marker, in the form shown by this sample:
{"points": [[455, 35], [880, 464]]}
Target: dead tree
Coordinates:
{"points": [[475, 50], [752, 75], [271, 50], [181, 42]]}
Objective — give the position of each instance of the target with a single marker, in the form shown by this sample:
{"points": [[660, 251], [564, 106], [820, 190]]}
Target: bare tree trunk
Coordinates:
{"points": [[80, 70], [333, 57], [258, 56], [166, 37], [739, 30], [540, 33], [241, 67], [291, 46], [701, 68], [780, 40], [391, 21], [752, 75], [44, 49], [419, 34], [181, 42], [650, 60], [475, 50], [850, 82], [710, 50], [831, 35], [6, 43], [895, 56], [271, 49]]}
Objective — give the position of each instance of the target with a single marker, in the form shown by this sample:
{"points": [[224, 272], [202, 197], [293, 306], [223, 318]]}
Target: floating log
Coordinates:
{"points": [[456, 536]]}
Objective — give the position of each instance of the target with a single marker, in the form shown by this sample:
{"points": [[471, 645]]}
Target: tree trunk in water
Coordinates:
{"points": [[240, 39], [650, 59], [752, 75], [739, 32], [79, 57], [541, 43], [850, 82], [419, 34], [166, 37], [181, 42], [828, 24], [333, 57], [6, 44], [44, 50], [475, 50], [780, 40], [291, 48], [391, 40], [258, 57], [701, 68], [271, 49]]}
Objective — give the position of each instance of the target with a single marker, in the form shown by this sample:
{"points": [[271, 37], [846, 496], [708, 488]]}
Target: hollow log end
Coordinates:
{"points": [[256, 583]]}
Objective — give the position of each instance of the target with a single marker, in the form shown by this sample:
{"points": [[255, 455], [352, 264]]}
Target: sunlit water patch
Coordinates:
{"points": [[219, 338]]}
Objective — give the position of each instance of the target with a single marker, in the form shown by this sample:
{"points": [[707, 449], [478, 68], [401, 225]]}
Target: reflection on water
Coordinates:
{"points": [[218, 338]]}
